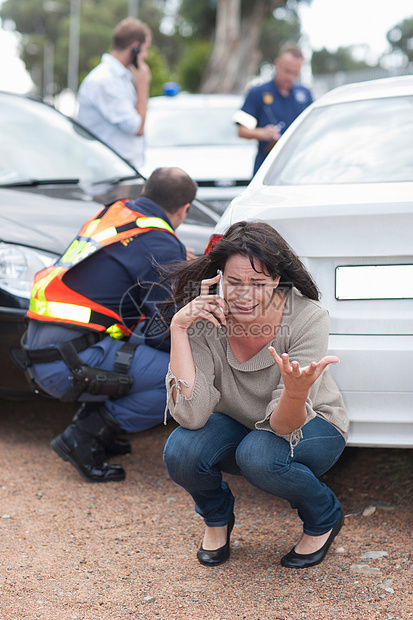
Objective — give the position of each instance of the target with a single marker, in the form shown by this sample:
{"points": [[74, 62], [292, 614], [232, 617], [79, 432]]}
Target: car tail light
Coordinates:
{"points": [[212, 241]]}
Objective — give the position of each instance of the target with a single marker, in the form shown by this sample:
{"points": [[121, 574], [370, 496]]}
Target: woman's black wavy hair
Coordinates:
{"points": [[256, 240]]}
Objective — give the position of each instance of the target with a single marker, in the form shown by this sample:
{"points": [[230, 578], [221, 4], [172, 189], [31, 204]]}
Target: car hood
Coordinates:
{"points": [[356, 213], [204, 163], [49, 223], [40, 221]]}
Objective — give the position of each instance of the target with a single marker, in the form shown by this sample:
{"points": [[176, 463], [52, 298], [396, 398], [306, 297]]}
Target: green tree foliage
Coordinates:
{"points": [[281, 26], [41, 20], [238, 40], [192, 66], [181, 52], [159, 69], [323, 61], [197, 22], [197, 18], [400, 38]]}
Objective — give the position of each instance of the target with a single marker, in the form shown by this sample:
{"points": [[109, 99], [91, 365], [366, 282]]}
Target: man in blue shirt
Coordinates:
{"points": [[271, 107], [113, 276]]}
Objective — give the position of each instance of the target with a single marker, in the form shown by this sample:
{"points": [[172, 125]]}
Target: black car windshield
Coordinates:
{"points": [[37, 143], [355, 142]]}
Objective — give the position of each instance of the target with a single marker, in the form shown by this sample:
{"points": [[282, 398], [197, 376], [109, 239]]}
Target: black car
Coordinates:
{"points": [[54, 175]]}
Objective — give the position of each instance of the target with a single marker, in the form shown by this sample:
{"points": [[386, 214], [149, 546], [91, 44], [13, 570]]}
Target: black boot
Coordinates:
{"points": [[82, 444], [117, 446], [114, 445]]}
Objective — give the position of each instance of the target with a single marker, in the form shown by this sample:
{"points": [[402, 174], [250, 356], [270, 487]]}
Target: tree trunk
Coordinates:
{"points": [[235, 58], [219, 74]]}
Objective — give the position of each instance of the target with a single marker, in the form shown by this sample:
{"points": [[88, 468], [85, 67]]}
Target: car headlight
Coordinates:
{"points": [[18, 266]]}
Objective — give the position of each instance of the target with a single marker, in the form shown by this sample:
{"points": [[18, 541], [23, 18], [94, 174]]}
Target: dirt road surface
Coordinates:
{"points": [[71, 550]]}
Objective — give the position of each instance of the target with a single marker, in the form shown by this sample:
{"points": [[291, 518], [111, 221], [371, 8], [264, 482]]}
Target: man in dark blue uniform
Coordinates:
{"points": [[118, 277], [271, 107]]}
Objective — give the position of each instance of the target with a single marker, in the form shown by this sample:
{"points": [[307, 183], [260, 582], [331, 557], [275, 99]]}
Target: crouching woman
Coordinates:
{"points": [[249, 385]]}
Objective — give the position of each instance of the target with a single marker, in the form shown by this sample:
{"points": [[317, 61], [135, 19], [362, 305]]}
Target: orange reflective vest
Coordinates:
{"points": [[53, 301]]}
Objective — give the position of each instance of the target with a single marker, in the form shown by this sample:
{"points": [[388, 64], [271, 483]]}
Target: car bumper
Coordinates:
{"points": [[374, 377], [13, 384]]}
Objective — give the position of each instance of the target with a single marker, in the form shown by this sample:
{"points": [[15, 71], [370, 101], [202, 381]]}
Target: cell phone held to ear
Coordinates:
{"points": [[134, 55], [220, 289]]}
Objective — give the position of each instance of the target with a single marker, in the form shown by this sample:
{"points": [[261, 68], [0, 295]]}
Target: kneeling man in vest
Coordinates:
{"points": [[95, 332]]}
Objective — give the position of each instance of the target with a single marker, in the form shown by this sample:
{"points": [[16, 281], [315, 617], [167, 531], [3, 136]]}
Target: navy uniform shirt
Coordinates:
{"points": [[121, 276], [269, 107]]}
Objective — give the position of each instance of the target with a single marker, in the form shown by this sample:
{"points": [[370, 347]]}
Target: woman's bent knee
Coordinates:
{"points": [[185, 455], [176, 446], [258, 458]]}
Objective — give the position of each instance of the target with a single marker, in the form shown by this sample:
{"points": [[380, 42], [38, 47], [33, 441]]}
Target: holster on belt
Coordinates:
{"points": [[114, 383]]}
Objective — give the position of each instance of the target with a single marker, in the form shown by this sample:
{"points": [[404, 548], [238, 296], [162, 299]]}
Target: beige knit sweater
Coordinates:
{"points": [[248, 392]]}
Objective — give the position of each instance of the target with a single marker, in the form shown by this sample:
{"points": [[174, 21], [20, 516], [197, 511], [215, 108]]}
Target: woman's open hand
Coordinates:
{"points": [[206, 306], [297, 381]]}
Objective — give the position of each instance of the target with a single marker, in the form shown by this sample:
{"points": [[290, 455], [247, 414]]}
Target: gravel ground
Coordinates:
{"points": [[72, 550]]}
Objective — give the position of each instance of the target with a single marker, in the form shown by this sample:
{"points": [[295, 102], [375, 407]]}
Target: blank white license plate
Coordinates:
{"points": [[374, 282]]}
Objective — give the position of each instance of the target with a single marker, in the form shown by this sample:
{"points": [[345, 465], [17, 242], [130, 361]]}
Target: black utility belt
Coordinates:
{"points": [[114, 383], [53, 354]]}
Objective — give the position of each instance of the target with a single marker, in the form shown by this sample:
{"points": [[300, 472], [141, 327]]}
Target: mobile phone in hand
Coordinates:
{"points": [[134, 55], [220, 290]]}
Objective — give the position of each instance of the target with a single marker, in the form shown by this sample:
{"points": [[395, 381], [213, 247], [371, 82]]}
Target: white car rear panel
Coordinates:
{"points": [[353, 225]]}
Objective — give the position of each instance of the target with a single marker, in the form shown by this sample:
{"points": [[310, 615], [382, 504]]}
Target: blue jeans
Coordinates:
{"points": [[144, 405], [195, 459]]}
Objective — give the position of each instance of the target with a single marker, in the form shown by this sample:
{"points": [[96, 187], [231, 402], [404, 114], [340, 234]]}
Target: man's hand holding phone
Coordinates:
{"points": [[138, 66], [142, 77], [135, 56]]}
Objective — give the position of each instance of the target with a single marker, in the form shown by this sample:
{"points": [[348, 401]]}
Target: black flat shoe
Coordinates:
{"points": [[216, 556], [298, 560]]}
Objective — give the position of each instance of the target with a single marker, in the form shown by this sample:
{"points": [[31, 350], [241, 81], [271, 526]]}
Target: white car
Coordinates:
{"points": [[197, 133], [338, 186]]}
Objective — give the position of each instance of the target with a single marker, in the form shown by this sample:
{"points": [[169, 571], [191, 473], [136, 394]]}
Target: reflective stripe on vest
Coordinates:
{"points": [[59, 310], [88, 242]]}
